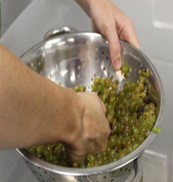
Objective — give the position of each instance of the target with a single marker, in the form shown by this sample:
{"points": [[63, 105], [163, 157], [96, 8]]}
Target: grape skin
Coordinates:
{"points": [[131, 115]]}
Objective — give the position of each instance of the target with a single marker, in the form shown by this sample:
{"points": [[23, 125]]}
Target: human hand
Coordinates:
{"points": [[95, 129], [110, 21]]}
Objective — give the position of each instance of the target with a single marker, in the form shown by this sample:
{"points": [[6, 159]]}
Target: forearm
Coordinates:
{"points": [[32, 107]]}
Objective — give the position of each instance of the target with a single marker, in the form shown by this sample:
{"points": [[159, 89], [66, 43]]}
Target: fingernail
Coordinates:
{"points": [[117, 63]]}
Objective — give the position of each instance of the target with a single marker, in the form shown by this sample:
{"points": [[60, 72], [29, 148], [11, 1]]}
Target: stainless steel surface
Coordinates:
{"points": [[155, 42], [55, 31], [138, 172], [74, 59], [135, 174], [49, 174]]}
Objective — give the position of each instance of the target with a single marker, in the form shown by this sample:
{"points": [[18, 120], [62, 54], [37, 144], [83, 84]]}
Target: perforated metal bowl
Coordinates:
{"points": [[72, 59]]}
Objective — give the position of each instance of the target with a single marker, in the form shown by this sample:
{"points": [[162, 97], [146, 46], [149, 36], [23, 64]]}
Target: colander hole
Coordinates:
{"points": [[42, 180], [39, 63], [40, 174], [104, 177], [38, 168], [102, 52], [78, 67], [126, 169], [95, 58], [129, 170], [107, 58], [53, 179], [112, 180], [45, 172], [121, 169]]}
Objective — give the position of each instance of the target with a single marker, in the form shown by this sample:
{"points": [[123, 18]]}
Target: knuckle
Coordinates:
{"points": [[106, 28]]}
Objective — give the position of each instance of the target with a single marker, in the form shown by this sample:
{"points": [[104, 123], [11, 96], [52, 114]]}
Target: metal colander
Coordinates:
{"points": [[72, 59]]}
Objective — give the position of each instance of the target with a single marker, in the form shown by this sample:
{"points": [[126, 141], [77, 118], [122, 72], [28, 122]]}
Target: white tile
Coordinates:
{"points": [[162, 11]]}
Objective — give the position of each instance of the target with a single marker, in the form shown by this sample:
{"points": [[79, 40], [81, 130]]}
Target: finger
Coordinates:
{"points": [[129, 35], [100, 101], [132, 39], [110, 33], [102, 105], [114, 47], [76, 156]]}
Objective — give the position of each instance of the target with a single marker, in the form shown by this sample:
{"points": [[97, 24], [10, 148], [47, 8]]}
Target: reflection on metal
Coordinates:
{"points": [[73, 77], [71, 40], [163, 25]]}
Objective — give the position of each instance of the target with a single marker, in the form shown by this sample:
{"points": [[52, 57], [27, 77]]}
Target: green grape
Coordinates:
{"points": [[156, 130], [91, 158], [131, 115], [126, 70], [112, 141]]}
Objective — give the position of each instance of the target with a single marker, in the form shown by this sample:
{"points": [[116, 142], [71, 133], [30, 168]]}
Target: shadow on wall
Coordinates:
{"points": [[10, 9]]}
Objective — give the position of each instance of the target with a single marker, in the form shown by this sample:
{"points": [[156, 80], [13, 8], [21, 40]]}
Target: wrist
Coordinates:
{"points": [[59, 118], [73, 115], [63, 123]]}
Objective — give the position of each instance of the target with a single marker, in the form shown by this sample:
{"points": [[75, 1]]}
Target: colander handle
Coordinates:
{"points": [[56, 31]]}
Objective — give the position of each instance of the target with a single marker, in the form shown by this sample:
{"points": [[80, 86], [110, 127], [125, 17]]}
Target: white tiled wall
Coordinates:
{"points": [[10, 10], [153, 20], [42, 15], [163, 12]]}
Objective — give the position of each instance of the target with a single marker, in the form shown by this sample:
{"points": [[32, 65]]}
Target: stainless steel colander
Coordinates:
{"points": [[72, 59]]}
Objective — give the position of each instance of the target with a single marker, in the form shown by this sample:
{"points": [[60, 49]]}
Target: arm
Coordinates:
{"points": [[30, 105], [108, 20], [34, 110]]}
